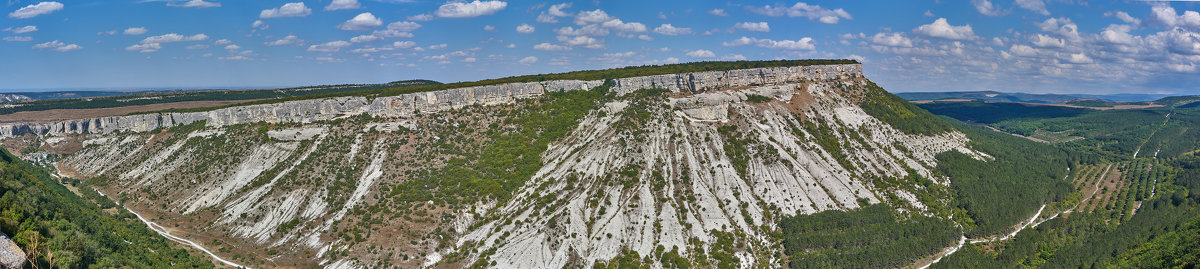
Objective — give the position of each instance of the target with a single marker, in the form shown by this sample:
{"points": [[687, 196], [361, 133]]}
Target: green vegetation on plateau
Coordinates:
{"points": [[514, 154], [901, 114], [60, 229]]}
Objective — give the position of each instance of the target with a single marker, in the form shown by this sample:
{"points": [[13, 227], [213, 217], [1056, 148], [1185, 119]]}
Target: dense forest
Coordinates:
{"points": [[1162, 234], [1004, 191], [1148, 216], [59, 229], [874, 236], [990, 113]]}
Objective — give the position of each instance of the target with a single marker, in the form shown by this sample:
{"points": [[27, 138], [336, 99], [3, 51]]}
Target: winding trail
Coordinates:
{"points": [[961, 241], [964, 240], [163, 231], [1014, 233]]}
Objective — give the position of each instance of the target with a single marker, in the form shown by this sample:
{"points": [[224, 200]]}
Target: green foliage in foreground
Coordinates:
{"points": [[901, 114], [1000, 193], [63, 230], [513, 155], [1175, 249], [870, 237]]}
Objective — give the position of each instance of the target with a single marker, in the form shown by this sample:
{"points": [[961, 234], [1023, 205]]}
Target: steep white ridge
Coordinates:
{"points": [[153, 166], [264, 157], [278, 211], [804, 179]]}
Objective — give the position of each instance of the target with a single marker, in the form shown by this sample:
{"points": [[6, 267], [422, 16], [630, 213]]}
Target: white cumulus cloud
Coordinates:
{"points": [[551, 15], [364, 21], [343, 4], [296, 9], [173, 37], [1165, 15], [58, 46], [701, 54], [1078, 58], [1045, 41], [329, 46], [145, 48], [528, 60], [805, 43], [893, 40], [1123, 16], [1037, 6], [753, 26], [195, 3], [365, 38], [668, 29], [1023, 51], [718, 12], [801, 9], [525, 28], [30, 11], [135, 31], [22, 30], [550, 47], [942, 29], [469, 9], [259, 24], [986, 7], [287, 40], [398, 29]]}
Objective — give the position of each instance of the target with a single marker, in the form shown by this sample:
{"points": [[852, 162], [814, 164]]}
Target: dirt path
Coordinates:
{"points": [[946, 252], [165, 233], [1139, 148], [1095, 188], [1017, 135]]}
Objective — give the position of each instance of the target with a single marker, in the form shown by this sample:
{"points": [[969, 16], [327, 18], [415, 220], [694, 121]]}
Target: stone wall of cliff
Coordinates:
{"points": [[426, 102]]}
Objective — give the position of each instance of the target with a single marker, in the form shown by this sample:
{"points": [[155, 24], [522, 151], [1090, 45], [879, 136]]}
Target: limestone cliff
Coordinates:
{"points": [[665, 163], [305, 111]]}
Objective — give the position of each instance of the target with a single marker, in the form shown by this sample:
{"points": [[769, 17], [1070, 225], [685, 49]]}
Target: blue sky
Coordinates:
{"points": [[1060, 46]]}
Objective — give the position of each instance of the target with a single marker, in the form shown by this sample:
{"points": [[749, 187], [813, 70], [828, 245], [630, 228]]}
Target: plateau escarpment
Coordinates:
{"points": [[306, 111], [702, 165]]}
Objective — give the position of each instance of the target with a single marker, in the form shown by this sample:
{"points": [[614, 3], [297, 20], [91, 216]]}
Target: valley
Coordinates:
{"points": [[349, 134], [798, 164]]}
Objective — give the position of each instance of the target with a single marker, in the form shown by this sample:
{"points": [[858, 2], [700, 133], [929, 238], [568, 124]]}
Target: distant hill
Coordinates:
{"points": [[30, 96], [1048, 98], [41, 101]]}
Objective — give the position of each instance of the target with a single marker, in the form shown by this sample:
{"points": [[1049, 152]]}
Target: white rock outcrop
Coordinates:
{"points": [[305, 111]]}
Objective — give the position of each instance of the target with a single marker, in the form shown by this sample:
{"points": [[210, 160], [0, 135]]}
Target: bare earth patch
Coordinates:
{"points": [[66, 114]]}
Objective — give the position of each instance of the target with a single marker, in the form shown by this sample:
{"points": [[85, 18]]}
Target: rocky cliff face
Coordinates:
{"points": [[11, 255], [410, 104], [708, 155]]}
